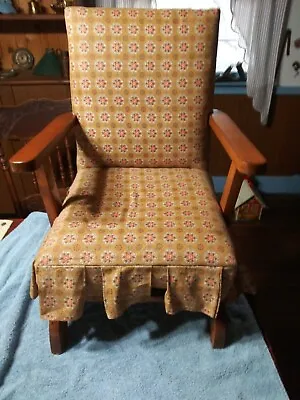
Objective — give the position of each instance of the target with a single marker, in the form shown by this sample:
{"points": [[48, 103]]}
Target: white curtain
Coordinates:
{"points": [[260, 24], [126, 3]]}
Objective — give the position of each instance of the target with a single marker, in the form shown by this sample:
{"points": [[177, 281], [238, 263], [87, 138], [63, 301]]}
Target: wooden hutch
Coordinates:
{"points": [[35, 33]]}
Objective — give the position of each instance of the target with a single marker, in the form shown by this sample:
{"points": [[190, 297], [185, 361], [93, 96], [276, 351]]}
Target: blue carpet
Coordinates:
{"points": [[143, 355]]}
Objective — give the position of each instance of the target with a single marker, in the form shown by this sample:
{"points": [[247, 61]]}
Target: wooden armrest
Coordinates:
{"points": [[242, 152], [30, 157]]}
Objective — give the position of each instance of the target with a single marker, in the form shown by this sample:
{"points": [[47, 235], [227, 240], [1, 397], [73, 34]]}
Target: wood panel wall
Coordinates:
{"points": [[33, 35], [279, 142]]}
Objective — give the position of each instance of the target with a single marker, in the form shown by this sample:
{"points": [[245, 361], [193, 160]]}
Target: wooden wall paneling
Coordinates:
{"points": [[61, 37], [6, 205], [26, 92], [7, 42], [6, 96], [287, 122], [68, 91], [55, 39], [36, 42], [33, 35], [16, 36], [279, 142]]}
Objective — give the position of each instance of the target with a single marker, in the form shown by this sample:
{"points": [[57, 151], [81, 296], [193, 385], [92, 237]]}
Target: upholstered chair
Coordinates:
{"points": [[141, 213]]}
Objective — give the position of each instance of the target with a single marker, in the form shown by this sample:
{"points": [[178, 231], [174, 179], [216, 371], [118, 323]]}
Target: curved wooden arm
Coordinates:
{"points": [[30, 157], [244, 155]]}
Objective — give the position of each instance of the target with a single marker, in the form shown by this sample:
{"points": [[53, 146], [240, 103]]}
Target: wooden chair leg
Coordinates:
{"points": [[218, 329], [58, 336]]}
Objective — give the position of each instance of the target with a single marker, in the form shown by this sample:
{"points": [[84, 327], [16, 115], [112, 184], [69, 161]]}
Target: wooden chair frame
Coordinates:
{"points": [[34, 157]]}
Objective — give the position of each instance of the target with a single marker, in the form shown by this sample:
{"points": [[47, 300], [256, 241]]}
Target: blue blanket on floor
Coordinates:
{"points": [[145, 354]]}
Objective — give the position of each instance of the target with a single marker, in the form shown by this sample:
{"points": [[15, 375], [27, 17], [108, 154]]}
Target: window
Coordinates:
{"points": [[229, 52]]}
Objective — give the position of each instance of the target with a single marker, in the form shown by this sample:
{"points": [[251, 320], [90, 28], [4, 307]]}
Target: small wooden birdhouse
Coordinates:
{"points": [[249, 204]]}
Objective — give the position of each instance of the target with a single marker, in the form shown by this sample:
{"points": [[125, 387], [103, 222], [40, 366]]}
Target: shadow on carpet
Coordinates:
{"points": [[145, 354]]}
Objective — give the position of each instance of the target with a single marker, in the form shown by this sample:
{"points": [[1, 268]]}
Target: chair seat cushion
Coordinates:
{"points": [[125, 230]]}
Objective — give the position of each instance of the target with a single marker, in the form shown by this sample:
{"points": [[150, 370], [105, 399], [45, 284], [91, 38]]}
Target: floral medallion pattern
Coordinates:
{"points": [[141, 85], [139, 70], [164, 222]]}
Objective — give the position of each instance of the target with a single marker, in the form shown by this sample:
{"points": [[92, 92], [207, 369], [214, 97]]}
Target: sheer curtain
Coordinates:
{"points": [[127, 3], [260, 24], [229, 51]]}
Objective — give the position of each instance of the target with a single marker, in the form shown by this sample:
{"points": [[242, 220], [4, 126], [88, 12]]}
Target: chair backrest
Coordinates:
{"points": [[142, 84]]}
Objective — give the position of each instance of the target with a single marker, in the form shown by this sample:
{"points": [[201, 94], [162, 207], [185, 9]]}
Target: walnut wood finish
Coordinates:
{"points": [[32, 155], [58, 336], [49, 191], [218, 329], [61, 166], [27, 78], [34, 181], [245, 156], [69, 159]]}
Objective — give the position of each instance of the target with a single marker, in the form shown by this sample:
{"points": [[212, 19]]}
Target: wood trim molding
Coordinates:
{"points": [[245, 156]]}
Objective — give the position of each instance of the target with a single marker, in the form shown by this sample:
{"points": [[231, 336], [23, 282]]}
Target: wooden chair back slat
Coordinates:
{"points": [[61, 166], [69, 160]]}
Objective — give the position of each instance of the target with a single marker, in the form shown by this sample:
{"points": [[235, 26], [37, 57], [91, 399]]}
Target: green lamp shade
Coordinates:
{"points": [[48, 65]]}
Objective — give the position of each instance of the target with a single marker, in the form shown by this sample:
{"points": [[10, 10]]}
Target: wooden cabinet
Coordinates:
{"points": [[23, 93], [18, 125], [6, 96], [36, 33]]}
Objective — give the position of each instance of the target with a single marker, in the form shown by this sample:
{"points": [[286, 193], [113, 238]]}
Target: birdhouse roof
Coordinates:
{"points": [[247, 193]]}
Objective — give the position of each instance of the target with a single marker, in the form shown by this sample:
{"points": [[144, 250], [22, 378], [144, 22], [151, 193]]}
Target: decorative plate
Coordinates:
{"points": [[23, 58]]}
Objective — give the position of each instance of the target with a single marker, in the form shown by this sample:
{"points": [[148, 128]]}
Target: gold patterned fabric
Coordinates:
{"points": [[123, 230], [141, 84]]}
